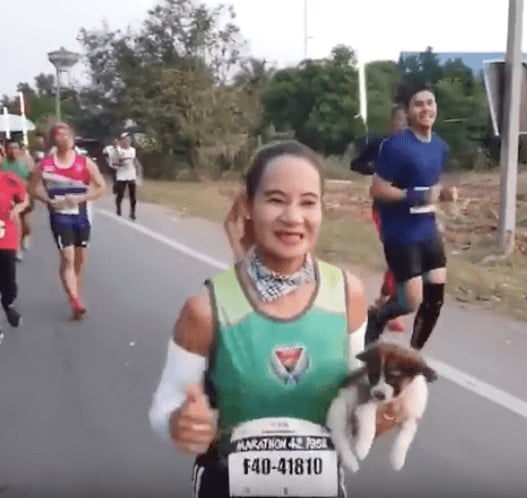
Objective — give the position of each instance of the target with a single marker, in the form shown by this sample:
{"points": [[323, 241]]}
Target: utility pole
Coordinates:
{"points": [[305, 29], [511, 128]]}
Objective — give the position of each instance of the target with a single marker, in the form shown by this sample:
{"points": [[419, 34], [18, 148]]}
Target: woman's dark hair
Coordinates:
{"points": [[267, 153]]}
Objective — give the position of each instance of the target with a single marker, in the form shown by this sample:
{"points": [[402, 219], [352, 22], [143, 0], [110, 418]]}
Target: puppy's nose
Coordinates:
{"points": [[379, 395]]}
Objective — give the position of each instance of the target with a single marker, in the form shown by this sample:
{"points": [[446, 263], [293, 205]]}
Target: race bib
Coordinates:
{"points": [[2, 229], [72, 210], [423, 209], [282, 457], [430, 208]]}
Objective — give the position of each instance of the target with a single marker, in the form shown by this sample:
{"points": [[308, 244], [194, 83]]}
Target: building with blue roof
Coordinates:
{"points": [[473, 60]]}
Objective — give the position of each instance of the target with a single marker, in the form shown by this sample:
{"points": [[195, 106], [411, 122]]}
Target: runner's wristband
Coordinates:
{"points": [[417, 196]]}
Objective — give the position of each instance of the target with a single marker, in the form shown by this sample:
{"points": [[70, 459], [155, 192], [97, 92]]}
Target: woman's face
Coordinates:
{"points": [[287, 211]]}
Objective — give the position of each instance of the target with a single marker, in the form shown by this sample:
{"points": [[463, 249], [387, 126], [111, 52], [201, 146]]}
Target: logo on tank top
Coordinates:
{"points": [[290, 364]]}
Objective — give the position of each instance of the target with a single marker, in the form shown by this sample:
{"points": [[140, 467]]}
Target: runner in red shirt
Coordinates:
{"points": [[13, 201]]}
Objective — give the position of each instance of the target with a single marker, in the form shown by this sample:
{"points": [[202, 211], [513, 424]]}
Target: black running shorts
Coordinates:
{"points": [[77, 235], [407, 261]]}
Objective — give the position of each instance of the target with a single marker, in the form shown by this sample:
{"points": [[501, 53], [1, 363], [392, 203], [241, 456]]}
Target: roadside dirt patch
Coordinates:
{"points": [[348, 235]]}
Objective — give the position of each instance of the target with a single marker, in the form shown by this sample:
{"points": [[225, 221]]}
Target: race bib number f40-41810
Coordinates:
{"points": [[282, 457]]}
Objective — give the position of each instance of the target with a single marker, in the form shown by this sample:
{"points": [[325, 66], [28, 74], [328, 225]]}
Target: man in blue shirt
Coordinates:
{"points": [[406, 187], [365, 164]]}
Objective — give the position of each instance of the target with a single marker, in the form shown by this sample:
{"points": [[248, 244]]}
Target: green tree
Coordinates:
{"points": [[40, 102], [251, 81], [45, 84], [101, 96], [422, 68], [463, 117], [170, 77], [318, 100], [382, 80]]}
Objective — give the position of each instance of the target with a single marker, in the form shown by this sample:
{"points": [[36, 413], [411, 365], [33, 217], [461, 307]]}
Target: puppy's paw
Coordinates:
{"points": [[397, 458], [362, 448], [348, 459], [355, 467], [352, 464]]}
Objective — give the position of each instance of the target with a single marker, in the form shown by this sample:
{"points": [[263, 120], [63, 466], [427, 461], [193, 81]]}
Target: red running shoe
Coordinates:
{"points": [[77, 308], [396, 325]]}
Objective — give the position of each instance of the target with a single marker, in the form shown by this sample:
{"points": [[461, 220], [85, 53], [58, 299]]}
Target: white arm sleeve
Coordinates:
{"points": [[182, 368], [356, 346]]}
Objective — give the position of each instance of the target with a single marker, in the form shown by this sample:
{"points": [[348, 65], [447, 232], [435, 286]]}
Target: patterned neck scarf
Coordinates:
{"points": [[271, 285]]}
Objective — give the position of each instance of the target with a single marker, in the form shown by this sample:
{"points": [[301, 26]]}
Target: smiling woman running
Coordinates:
{"points": [[258, 356]]}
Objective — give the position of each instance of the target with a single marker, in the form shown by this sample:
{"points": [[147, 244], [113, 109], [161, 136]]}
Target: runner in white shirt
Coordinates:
{"points": [[108, 152], [124, 162]]}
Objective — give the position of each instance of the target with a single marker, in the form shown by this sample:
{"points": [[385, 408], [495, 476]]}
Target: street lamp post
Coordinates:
{"points": [[63, 60]]}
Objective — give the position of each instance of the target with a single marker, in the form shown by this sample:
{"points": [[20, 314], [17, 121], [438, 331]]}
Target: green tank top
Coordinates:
{"points": [[16, 167], [267, 367]]}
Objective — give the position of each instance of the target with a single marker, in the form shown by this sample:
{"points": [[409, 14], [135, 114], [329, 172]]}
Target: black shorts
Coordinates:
{"points": [[8, 285], [210, 478], [77, 235], [414, 260]]}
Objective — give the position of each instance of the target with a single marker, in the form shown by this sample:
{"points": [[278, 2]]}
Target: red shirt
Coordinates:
{"points": [[12, 191]]}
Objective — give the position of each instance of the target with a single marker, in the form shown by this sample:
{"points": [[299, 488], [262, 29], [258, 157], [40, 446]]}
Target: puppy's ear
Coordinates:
{"points": [[367, 354], [355, 377], [429, 374]]}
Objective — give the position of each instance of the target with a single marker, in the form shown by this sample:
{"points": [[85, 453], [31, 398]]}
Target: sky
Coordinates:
{"points": [[377, 29]]}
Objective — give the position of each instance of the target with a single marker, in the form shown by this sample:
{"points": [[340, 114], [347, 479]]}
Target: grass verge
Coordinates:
{"points": [[348, 236]]}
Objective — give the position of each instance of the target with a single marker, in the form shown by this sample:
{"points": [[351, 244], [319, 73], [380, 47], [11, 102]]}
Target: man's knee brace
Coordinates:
{"points": [[433, 297]]}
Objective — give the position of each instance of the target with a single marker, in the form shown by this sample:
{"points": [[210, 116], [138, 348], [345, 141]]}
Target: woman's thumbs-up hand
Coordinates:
{"points": [[193, 426]]}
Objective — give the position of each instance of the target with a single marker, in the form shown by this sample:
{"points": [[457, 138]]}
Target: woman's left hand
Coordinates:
{"points": [[388, 416]]}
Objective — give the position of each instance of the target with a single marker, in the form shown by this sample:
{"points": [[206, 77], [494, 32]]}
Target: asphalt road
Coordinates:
{"points": [[74, 397]]}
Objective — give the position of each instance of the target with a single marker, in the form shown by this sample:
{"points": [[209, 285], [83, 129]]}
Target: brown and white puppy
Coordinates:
{"points": [[389, 391]]}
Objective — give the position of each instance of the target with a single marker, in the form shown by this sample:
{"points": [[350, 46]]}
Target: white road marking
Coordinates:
{"points": [[487, 391], [462, 379], [166, 240]]}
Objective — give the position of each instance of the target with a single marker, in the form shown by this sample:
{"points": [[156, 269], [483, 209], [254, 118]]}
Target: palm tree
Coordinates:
{"points": [[254, 74]]}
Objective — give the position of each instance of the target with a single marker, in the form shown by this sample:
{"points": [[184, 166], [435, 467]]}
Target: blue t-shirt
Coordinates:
{"points": [[405, 161]]}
